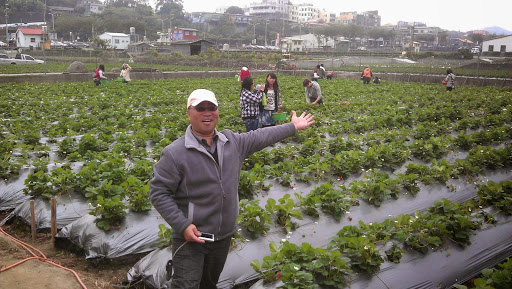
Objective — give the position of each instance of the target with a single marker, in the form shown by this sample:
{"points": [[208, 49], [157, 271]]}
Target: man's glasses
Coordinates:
{"points": [[204, 108]]}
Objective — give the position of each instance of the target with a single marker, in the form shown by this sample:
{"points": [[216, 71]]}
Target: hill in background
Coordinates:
{"points": [[497, 30]]}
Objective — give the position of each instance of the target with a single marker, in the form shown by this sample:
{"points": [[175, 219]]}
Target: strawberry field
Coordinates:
{"points": [[387, 172]]}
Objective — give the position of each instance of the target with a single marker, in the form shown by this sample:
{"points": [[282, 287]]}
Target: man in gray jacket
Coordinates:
{"points": [[195, 187], [313, 92]]}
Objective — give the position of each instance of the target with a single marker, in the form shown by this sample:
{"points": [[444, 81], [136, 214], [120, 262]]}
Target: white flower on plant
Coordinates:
{"points": [[283, 240], [296, 268]]}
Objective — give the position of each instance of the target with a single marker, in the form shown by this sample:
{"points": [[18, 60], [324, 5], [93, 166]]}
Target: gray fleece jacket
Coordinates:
{"points": [[189, 187]]}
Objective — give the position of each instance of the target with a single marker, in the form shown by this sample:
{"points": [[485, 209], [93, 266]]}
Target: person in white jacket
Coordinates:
{"points": [[125, 73]]}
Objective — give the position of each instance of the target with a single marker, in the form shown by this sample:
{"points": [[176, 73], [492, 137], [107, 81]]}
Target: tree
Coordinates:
{"points": [[78, 25], [425, 37], [101, 43], [351, 31], [172, 10], [443, 38], [476, 38], [225, 26], [235, 10]]}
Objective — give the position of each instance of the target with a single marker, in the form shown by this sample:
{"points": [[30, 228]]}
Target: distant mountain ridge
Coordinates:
{"points": [[497, 30]]}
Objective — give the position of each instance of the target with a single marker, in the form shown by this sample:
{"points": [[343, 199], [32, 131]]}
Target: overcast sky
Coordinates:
{"points": [[447, 14]]}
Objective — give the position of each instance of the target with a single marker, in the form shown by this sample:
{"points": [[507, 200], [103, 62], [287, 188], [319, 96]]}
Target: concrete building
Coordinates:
{"points": [[271, 9], [302, 13], [116, 40], [29, 37], [92, 6], [291, 44], [367, 18], [502, 45], [187, 34]]}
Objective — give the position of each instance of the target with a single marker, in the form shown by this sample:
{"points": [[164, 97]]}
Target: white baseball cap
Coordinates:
{"points": [[199, 95]]}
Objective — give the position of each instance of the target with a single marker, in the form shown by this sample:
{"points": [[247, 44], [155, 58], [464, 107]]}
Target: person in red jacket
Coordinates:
{"points": [[244, 72], [366, 76]]}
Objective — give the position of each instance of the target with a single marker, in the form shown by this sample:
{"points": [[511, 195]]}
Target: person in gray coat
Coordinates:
{"points": [[450, 80], [195, 187]]}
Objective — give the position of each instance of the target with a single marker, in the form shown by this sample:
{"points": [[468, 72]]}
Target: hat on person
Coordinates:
{"points": [[199, 95]]}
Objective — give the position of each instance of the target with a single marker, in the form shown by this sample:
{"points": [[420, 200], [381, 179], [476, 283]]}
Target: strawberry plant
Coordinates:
{"points": [[332, 201], [88, 143], [31, 137], [394, 254], [105, 190], [253, 218], [431, 148], [487, 157], [109, 213], [304, 266], [41, 164], [138, 194], [339, 144], [360, 250], [496, 194], [142, 169], [165, 234], [309, 204], [499, 277], [251, 184], [67, 146], [376, 187], [284, 210], [63, 179], [39, 184]]}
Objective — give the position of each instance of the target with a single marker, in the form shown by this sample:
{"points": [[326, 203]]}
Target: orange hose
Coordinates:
{"points": [[43, 258]]}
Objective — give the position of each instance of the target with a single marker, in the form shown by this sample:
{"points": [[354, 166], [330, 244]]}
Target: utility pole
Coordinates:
{"points": [[266, 22], [6, 24]]}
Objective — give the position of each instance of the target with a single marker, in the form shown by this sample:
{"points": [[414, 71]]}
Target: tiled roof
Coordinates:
{"points": [[31, 31]]}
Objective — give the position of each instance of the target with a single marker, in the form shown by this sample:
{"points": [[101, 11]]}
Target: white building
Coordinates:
{"points": [[302, 13], [29, 37], [271, 9], [92, 6], [116, 40], [290, 44], [501, 44]]}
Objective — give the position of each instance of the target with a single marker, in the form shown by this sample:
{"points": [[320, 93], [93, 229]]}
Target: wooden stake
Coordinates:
{"points": [[53, 206], [32, 220]]}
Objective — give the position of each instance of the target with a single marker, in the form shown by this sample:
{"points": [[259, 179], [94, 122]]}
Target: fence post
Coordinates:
{"points": [[53, 206], [32, 220]]}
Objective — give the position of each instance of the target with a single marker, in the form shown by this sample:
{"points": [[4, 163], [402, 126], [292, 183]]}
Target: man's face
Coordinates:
{"points": [[203, 118]]}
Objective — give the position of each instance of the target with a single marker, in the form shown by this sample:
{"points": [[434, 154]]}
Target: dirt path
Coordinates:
{"points": [[38, 274]]}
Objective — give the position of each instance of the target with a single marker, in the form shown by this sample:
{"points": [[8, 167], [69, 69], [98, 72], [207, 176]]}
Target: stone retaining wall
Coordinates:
{"points": [[395, 77]]}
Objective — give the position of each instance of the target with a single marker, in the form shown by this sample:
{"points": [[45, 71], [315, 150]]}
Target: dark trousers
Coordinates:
{"points": [[251, 124], [198, 266]]}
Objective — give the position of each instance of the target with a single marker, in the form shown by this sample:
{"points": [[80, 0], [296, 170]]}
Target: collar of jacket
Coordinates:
{"points": [[192, 142]]}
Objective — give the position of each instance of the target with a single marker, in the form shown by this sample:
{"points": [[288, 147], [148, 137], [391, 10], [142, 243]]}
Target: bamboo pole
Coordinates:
{"points": [[53, 206], [32, 220]]}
